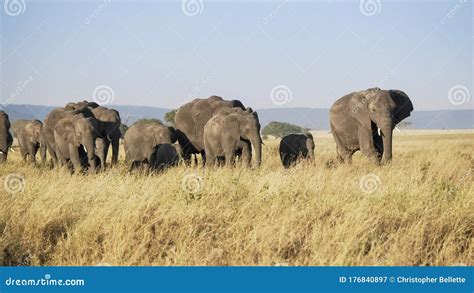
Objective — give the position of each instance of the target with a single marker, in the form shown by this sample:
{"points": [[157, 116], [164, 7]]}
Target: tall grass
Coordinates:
{"points": [[419, 210]]}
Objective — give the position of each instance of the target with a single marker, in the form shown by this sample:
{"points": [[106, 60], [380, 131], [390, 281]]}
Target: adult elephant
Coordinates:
{"points": [[109, 133], [72, 133], [6, 138], [79, 105], [365, 121], [142, 140], [29, 134], [227, 132], [50, 123], [191, 118], [295, 146]]}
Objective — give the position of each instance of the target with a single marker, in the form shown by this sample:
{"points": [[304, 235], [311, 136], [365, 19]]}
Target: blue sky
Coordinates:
{"points": [[152, 53]]}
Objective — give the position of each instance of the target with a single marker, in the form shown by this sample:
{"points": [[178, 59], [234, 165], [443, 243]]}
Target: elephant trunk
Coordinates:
{"points": [[257, 144], [387, 143], [89, 144]]}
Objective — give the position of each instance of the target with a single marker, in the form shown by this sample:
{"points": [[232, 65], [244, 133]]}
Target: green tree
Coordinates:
{"points": [[169, 117], [280, 129]]}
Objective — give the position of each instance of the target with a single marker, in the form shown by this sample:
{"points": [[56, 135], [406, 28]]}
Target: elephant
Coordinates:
{"points": [[190, 120], [71, 133], [79, 105], [227, 132], [142, 140], [365, 120], [50, 123], [29, 134], [167, 155], [6, 138], [109, 133], [295, 146]]}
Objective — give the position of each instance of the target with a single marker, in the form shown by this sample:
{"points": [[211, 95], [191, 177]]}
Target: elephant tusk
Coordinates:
{"points": [[12, 150], [378, 131]]}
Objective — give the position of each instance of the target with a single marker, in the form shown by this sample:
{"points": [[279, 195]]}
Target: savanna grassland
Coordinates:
{"points": [[418, 210]]}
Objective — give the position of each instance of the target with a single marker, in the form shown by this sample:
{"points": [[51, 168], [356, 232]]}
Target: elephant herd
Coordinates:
{"points": [[80, 134]]}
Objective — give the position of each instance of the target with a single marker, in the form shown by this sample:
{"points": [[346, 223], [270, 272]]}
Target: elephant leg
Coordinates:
{"points": [[203, 156], [75, 158], [43, 150], [229, 157], [102, 146], [23, 154], [378, 145], [115, 149], [33, 150], [366, 143], [52, 154]]}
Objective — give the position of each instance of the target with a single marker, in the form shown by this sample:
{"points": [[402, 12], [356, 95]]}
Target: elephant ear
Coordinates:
{"points": [[237, 104], [173, 134], [403, 105], [67, 132]]}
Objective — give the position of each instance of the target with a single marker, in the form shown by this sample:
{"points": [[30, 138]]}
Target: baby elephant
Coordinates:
{"points": [[167, 155], [295, 146]]}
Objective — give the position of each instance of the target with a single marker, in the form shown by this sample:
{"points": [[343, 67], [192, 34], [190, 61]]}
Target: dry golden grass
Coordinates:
{"points": [[420, 213]]}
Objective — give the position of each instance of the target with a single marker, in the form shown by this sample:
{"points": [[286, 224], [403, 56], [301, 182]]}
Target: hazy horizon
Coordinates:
{"points": [[268, 54]]}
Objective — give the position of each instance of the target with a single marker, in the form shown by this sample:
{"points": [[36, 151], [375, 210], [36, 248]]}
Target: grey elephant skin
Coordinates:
{"points": [[6, 138], [71, 133], [191, 118], [365, 120], [50, 124], [167, 156], [29, 134], [109, 133], [294, 147], [142, 140], [230, 131]]}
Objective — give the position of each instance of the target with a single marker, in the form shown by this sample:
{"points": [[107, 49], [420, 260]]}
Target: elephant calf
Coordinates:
{"points": [[30, 138], [295, 146], [167, 155]]}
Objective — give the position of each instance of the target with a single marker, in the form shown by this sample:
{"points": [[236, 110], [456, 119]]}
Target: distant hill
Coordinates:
{"points": [[314, 118]]}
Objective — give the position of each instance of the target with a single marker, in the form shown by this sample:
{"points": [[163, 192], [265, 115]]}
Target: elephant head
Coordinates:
{"points": [[378, 111], [78, 130], [249, 125], [34, 129]]}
